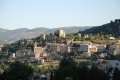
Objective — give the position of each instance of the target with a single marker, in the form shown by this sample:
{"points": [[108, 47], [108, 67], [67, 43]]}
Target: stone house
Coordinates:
{"points": [[88, 47], [85, 47], [38, 51], [23, 53], [86, 36], [107, 64], [101, 47], [59, 33], [1, 47], [55, 47], [102, 55], [113, 64], [113, 49]]}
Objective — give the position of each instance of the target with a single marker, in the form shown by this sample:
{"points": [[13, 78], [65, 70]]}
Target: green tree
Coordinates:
{"points": [[116, 74], [70, 70], [70, 36], [17, 71], [67, 68], [118, 57], [68, 78], [66, 62], [51, 76], [100, 74]]}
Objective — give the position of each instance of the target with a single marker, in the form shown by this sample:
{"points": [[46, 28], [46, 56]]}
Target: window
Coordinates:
{"points": [[116, 64]]}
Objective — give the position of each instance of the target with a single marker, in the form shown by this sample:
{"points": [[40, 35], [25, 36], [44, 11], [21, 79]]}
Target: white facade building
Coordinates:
{"points": [[101, 48], [88, 47], [85, 47], [113, 64]]}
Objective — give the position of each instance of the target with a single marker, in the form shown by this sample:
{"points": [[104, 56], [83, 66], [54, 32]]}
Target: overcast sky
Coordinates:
{"points": [[57, 13]]}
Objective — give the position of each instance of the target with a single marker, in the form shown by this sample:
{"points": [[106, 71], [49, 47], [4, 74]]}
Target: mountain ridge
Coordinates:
{"points": [[17, 34], [13, 35]]}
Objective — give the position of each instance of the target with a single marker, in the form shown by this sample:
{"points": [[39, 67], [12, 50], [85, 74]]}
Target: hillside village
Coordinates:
{"points": [[51, 53], [48, 49]]}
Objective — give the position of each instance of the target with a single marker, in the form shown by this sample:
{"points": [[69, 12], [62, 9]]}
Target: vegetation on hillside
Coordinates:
{"points": [[111, 28], [17, 71], [70, 70]]}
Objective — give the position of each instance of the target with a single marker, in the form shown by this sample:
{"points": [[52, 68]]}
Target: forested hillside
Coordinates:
{"points": [[110, 28]]}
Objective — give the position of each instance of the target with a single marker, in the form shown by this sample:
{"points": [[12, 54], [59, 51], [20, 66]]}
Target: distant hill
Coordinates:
{"points": [[110, 28], [2, 30], [17, 34]]}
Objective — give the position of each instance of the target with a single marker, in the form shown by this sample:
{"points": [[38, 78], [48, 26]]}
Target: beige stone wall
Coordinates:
{"points": [[94, 49], [60, 33], [54, 47], [38, 51]]}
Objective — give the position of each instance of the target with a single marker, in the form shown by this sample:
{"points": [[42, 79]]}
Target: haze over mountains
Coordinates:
{"points": [[17, 34]]}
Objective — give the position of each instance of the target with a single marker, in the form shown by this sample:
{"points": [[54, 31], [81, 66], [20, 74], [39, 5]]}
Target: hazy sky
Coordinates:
{"points": [[57, 13]]}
